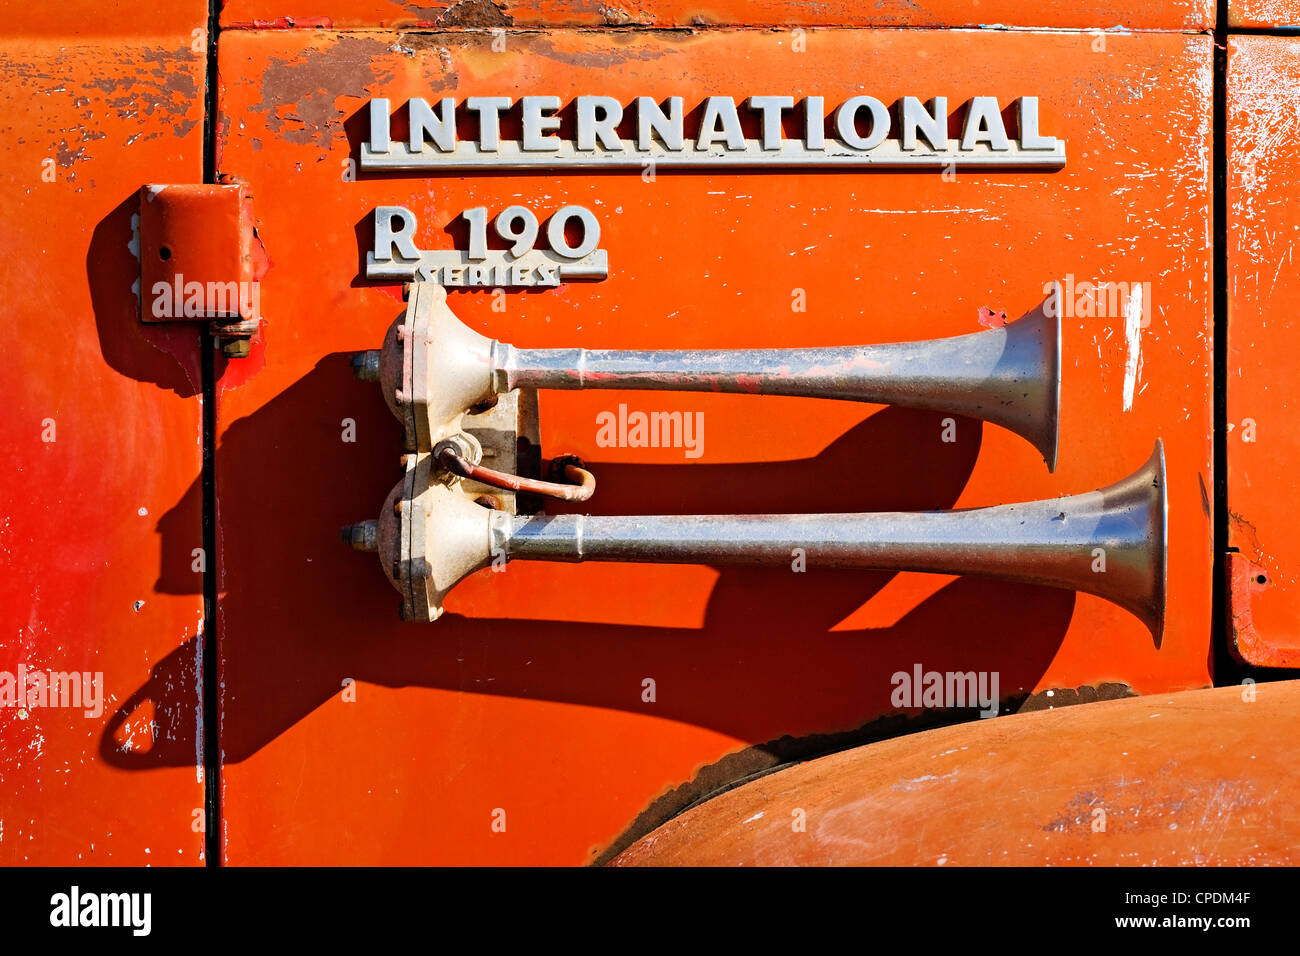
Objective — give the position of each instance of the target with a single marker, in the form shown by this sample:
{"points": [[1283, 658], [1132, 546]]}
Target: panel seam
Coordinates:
{"points": [[212, 849]]}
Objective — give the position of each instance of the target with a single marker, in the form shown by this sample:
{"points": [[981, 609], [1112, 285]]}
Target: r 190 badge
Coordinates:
{"points": [[572, 249]]}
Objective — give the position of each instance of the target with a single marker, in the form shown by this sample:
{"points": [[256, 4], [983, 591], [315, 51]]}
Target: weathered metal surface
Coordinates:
{"points": [[1271, 648], [1010, 375], [501, 14], [580, 486], [1111, 542], [200, 259], [1263, 142], [174, 19], [100, 536], [1200, 777], [528, 697], [197, 234], [752, 762], [1263, 13]]}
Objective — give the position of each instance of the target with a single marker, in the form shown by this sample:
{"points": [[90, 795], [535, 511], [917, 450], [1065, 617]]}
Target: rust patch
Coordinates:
{"points": [[1078, 812], [742, 766], [1251, 571], [466, 13], [1069, 696], [65, 155], [532, 42], [173, 90], [292, 23], [435, 43], [613, 16], [138, 82], [1146, 804], [299, 96], [1242, 534], [617, 16], [595, 59], [1246, 579]]}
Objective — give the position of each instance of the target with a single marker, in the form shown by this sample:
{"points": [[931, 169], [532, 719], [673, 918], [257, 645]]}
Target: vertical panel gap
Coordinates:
{"points": [[1224, 667], [212, 844]]}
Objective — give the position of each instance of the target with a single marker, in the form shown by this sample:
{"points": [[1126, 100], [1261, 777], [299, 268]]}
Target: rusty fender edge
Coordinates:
{"points": [[743, 766], [1192, 777]]}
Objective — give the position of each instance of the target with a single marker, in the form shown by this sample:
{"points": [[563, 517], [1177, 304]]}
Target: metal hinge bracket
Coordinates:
{"points": [[201, 260]]}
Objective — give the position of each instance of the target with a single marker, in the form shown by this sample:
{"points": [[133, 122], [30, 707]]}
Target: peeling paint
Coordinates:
{"points": [[300, 94], [1133, 342], [466, 13]]}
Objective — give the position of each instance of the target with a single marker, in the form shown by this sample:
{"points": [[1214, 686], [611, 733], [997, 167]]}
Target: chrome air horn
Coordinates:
{"points": [[1110, 542], [434, 370]]}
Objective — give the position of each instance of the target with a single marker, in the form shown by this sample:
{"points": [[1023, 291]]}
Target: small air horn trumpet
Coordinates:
{"points": [[430, 536], [434, 369]]}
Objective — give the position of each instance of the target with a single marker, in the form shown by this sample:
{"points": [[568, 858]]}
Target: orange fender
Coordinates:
{"points": [[1198, 777]]}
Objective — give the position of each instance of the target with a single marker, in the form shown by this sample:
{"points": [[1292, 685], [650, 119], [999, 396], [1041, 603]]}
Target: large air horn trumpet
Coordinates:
{"points": [[1110, 542], [434, 369]]}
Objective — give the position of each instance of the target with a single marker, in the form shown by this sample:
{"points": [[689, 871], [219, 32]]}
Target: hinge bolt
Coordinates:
{"points": [[362, 536], [365, 365], [234, 348]]}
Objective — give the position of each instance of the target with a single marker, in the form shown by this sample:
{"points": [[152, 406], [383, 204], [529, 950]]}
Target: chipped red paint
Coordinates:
{"points": [[1247, 580], [193, 233], [539, 670], [294, 23], [1263, 196], [176, 19], [100, 511], [676, 14], [527, 697], [1264, 13]]}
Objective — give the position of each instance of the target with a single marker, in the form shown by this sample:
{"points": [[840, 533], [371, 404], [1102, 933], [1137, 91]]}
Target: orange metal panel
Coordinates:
{"points": [[443, 14], [1263, 13], [1120, 783], [197, 233], [174, 19], [1263, 141], [527, 697], [101, 439]]}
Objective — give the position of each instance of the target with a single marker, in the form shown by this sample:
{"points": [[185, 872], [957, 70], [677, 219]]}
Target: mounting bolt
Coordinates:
{"points": [[362, 536], [463, 444], [234, 348], [365, 365]]}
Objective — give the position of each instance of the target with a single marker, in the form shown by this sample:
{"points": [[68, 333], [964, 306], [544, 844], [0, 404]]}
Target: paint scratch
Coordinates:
{"points": [[1133, 338]]}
